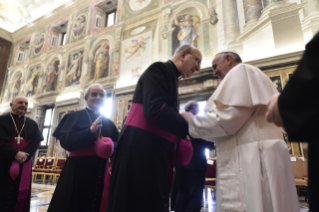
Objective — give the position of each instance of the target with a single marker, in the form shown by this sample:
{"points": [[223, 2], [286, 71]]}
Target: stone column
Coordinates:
{"points": [[231, 25], [268, 2], [230, 15], [311, 7], [252, 9]]}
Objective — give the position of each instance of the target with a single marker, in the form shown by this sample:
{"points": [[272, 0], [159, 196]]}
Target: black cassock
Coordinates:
{"points": [[142, 160], [81, 183], [299, 108], [9, 189]]}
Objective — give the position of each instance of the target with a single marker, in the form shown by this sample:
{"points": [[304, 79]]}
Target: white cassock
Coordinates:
{"points": [[254, 168]]}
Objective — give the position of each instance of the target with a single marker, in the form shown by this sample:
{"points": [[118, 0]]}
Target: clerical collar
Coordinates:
{"points": [[93, 111], [16, 115], [177, 73]]}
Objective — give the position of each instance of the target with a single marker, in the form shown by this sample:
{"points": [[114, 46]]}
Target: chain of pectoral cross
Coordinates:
{"points": [[17, 129]]}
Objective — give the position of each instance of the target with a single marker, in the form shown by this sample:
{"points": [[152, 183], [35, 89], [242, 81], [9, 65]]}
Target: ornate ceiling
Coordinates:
{"points": [[15, 14]]}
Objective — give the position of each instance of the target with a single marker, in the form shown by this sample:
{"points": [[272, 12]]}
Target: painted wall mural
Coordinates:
{"points": [[39, 43], [74, 69], [185, 26], [15, 85], [101, 60], [136, 56], [50, 76], [31, 86], [79, 27]]}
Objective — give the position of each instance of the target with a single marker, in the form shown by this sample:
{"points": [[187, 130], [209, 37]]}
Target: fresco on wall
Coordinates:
{"points": [[51, 76], [79, 27], [115, 68], [39, 43], [15, 85], [101, 60], [185, 26], [136, 56], [31, 86], [74, 69], [277, 82], [136, 5]]}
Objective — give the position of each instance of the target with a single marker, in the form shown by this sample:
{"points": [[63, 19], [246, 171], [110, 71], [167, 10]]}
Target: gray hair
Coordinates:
{"points": [[190, 105], [231, 53], [186, 47], [86, 92], [14, 98]]}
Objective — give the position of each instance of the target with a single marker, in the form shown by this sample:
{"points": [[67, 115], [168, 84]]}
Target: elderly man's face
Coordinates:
{"points": [[19, 106], [221, 66], [191, 63], [95, 98]]}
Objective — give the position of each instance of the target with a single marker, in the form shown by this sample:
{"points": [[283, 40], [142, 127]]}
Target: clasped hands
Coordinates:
{"points": [[21, 156]]}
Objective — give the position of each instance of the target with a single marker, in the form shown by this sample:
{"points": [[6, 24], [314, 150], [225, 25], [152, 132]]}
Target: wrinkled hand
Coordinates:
{"points": [[21, 157], [187, 116], [97, 124], [273, 115]]}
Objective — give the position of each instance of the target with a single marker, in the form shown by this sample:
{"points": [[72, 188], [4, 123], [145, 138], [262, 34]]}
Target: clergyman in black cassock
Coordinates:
{"points": [[12, 195], [81, 184], [189, 180], [141, 162], [297, 109]]}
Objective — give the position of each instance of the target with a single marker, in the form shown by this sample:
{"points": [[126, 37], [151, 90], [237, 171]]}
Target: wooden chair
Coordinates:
{"points": [[210, 177], [301, 183], [39, 165]]}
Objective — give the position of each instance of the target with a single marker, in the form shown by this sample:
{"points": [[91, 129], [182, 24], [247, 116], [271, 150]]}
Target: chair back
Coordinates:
{"points": [[60, 162], [211, 169], [40, 162], [305, 167], [297, 167], [49, 163]]}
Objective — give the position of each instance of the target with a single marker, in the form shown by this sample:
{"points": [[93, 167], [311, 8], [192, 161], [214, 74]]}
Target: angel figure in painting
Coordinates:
{"points": [[32, 83], [188, 30], [15, 87], [138, 45], [101, 62], [74, 71], [51, 76]]}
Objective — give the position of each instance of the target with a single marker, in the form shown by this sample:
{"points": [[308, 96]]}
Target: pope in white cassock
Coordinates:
{"points": [[253, 164]]}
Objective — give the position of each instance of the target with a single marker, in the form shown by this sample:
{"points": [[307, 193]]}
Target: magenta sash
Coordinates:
{"points": [[137, 119], [25, 180], [104, 149]]}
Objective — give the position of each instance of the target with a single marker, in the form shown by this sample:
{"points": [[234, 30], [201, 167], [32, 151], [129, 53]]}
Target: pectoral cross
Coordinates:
{"points": [[18, 139]]}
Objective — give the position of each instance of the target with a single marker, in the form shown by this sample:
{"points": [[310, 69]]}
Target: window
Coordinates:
{"points": [[26, 54], [106, 110], [98, 23], [54, 42], [63, 38], [110, 18], [47, 126], [20, 57]]}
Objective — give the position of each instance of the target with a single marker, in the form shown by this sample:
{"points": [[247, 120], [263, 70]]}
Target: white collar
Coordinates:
{"points": [[95, 112], [16, 114]]}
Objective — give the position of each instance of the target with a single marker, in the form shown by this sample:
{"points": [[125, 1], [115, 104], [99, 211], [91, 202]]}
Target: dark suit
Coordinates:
{"points": [[189, 180]]}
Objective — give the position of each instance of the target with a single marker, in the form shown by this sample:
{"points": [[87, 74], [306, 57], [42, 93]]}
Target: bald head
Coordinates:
{"points": [[95, 96], [19, 105]]}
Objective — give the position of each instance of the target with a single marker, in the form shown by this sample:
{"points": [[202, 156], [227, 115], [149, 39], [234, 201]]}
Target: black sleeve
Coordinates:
{"points": [[299, 102], [7, 151], [34, 144], [156, 86], [77, 140]]}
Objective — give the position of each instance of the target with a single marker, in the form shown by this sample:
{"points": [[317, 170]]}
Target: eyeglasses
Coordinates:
{"points": [[102, 95], [197, 60]]}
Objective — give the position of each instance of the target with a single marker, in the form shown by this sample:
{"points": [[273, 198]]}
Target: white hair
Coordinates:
{"points": [[232, 53], [189, 105], [14, 98], [86, 92]]}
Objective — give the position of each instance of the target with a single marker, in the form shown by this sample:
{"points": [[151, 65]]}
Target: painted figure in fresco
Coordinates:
{"points": [[185, 30], [15, 87], [137, 47], [100, 66], [136, 73], [79, 26], [115, 68], [39, 43], [74, 71], [32, 83], [51, 76]]}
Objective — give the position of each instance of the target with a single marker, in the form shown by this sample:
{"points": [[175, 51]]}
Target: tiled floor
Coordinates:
{"points": [[41, 195]]}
